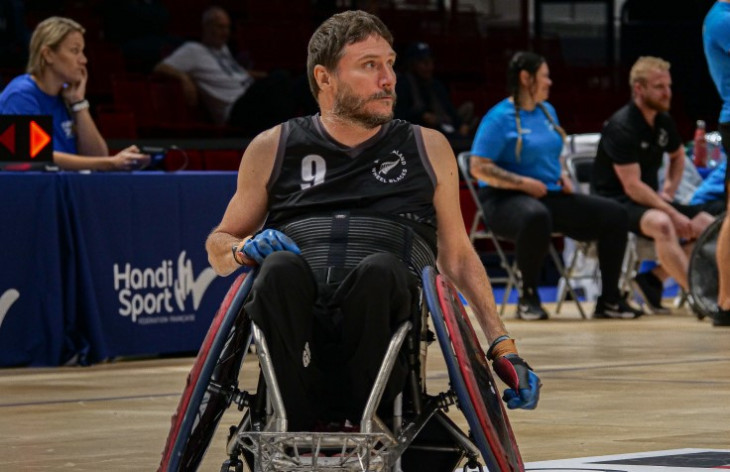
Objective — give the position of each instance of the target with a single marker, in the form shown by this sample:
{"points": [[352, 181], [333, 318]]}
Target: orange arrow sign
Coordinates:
{"points": [[7, 139], [38, 139]]}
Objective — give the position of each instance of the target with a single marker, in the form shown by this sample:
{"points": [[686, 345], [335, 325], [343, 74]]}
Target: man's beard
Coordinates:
{"points": [[350, 107], [656, 105]]}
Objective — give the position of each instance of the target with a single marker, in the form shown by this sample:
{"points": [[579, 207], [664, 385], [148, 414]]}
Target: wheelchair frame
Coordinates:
{"points": [[703, 271], [261, 440]]}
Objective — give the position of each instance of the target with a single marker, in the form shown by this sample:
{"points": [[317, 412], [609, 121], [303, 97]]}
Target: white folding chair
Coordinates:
{"points": [[638, 248], [480, 229], [580, 165]]}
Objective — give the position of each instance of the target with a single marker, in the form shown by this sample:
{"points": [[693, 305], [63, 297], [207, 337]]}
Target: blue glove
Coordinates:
{"points": [[267, 242], [524, 391]]}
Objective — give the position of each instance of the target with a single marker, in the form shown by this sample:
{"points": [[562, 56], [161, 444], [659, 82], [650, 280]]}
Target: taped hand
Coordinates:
{"points": [[267, 242], [524, 391]]}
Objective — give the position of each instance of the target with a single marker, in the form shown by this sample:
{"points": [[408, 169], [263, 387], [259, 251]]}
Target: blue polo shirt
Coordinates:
{"points": [[22, 96], [496, 138], [716, 40]]}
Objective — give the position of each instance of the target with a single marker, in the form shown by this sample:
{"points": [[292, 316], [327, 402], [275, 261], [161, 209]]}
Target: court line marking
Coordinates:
{"points": [[90, 400]]}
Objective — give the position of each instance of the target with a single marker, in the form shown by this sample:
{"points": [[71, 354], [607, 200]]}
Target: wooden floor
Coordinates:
{"points": [[659, 382]]}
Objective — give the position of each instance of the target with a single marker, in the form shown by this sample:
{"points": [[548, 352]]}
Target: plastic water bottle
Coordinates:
{"points": [[700, 145]]}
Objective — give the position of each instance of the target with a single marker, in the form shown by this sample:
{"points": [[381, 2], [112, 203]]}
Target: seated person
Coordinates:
{"points": [[424, 100], [248, 99], [630, 152], [56, 85], [328, 322], [527, 196]]}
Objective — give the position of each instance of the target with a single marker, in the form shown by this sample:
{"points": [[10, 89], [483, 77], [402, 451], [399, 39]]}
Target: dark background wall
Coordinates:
{"points": [[125, 38]]}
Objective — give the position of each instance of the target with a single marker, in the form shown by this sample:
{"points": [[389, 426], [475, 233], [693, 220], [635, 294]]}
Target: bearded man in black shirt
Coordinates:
{"points": [[328, 306], [630, 153]]}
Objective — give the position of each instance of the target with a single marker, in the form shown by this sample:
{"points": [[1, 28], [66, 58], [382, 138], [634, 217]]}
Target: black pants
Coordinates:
{"points": [[529, 222], [327, 340]]}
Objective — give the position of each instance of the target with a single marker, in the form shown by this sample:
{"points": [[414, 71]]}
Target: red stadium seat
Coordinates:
{"points": [[222, 159], [133, 92], [116, 123]]}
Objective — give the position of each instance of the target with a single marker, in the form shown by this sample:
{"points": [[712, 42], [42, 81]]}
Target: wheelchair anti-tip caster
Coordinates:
{"points": [[232, 465], [473, 464]]}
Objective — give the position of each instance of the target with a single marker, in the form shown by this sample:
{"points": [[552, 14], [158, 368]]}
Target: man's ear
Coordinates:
{"points": [[322, 76], [636, 88]]}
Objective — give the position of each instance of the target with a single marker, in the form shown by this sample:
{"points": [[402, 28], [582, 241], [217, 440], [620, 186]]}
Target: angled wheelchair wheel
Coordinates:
{"points": [[470, 376], [703, 275], [212, 382]]}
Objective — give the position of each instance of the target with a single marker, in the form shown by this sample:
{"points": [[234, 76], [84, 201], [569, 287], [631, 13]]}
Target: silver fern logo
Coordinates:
{"points": [[390, 169]]}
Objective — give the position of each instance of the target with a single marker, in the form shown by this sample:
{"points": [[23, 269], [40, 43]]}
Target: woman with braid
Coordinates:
{"points": [[527, 195]]}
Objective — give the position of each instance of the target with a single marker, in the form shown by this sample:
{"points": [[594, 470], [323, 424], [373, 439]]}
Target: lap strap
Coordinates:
{"points": [[330, 275]]}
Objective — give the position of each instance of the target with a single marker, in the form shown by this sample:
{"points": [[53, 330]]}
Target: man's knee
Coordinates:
{"points": [[283, 267], [658, 225], [384, 266], [702, 220]]}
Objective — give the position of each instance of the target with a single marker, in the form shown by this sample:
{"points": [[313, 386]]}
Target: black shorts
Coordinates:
{"points": [[637, 211]]}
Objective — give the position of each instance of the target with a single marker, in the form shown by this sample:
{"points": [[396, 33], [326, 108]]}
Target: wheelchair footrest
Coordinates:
{"points": [[319, 452]]}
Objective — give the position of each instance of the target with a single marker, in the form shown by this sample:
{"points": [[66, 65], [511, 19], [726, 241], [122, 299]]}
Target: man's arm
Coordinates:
{"points": [[190, 90], [630, 177], [457, 259], [674, 172], [246, 211], [459, 262], [638, 191]]}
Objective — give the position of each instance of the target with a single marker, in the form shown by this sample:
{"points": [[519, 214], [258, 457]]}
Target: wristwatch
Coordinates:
{"points": [[78, 106]]}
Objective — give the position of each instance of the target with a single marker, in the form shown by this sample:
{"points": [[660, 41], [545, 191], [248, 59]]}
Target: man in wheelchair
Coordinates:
{"points": [[338, 211]]}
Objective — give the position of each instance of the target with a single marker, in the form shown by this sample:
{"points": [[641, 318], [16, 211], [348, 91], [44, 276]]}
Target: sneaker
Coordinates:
{"points": [[529, 308], [651, 289], [721, 318], [620, 309]]}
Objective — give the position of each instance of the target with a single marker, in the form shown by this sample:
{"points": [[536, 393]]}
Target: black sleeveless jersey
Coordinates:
{"points": [[389, 174]]}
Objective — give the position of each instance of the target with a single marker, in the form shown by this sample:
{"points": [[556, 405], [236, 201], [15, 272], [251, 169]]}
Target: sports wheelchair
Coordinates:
{"points": [[703, 271], [420, 436]]}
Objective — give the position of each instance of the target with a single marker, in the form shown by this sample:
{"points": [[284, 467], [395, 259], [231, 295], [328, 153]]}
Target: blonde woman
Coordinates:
{"points": [[527, 196], [55, 84]]}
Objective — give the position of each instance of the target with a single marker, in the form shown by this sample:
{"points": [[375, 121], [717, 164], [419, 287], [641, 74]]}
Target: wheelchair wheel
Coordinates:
{"points": [[211, 383], [470, 376], [703, 275]]}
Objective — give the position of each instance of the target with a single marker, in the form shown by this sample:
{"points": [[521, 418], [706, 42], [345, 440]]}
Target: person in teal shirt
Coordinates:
{"points": [[527, 196]]}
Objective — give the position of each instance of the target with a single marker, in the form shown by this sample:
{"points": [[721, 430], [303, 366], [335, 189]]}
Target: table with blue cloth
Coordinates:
{"points": [[102, 265]]}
